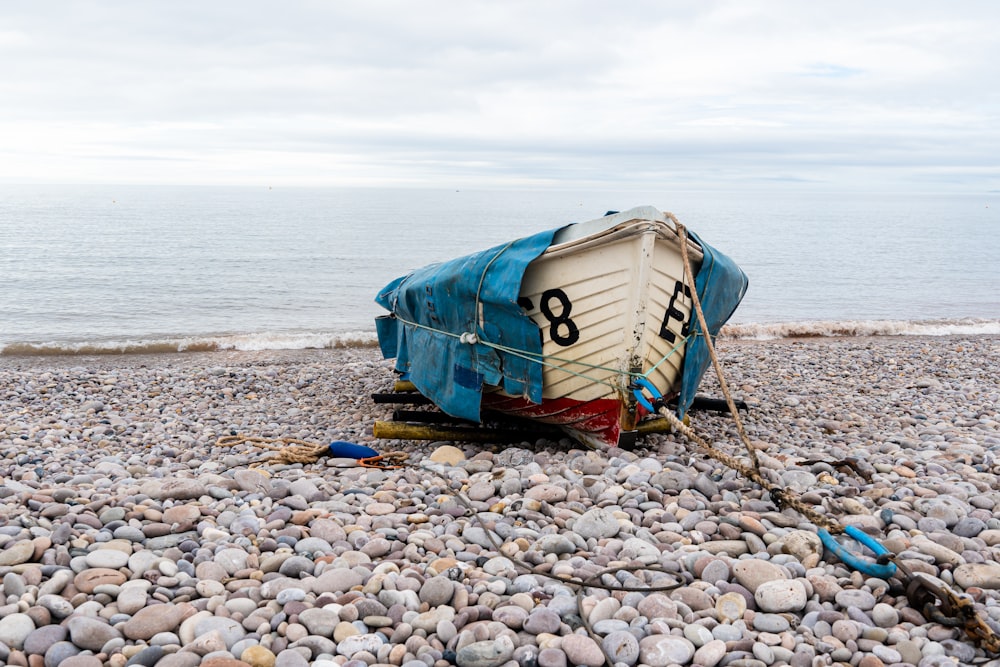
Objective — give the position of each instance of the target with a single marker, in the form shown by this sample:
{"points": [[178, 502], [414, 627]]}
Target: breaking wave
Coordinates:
{"points": [[236, 342], [860, 328], [257, 342]]}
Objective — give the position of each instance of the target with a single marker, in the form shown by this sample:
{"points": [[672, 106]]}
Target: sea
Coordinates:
{"points": [[88, 269]]}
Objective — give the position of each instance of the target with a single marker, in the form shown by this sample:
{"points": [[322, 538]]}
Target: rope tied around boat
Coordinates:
{"points": [[552, 361]]}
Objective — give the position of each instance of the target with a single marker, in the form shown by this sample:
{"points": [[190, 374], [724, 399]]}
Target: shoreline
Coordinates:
{"points": [[127, 530], [262, 341], [307, 354]]}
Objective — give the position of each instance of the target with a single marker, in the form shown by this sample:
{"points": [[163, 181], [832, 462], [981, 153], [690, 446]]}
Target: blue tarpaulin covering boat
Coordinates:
{"points": [[557, 326]]}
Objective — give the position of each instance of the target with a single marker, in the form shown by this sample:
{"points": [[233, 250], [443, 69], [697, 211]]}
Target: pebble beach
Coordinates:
{"points": [[130, 536]]}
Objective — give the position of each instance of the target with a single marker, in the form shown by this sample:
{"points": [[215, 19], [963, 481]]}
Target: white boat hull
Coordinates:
{"points": [[609, 305]]}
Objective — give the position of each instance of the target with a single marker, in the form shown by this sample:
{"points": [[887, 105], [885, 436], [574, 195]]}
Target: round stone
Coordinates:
{"points": [[979, 575], [697, 634], [860, 599], [663, 650], [551, 657], [788, 595], [436, 591], [621, 646], [597, 523], [258, 656], [884, 615], [582, 650], [448, 455], [15, 628], [107, 558], [542, 620], [17, 553], [355, 644], [487, 653], [752, 572], [711, 653], [773, 623], [730, 607]]}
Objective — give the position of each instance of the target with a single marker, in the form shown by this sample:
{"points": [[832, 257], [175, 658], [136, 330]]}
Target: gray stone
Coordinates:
{"points": [[336, 580], [436, 591], [863, 600], [542, 620], [621, 646], [511, 616], [229, 630], [582, 650], [154, 619], [147, 657], [884, 615], [781, 596], [513, 457], [370, 643], [598, 523], [17, 553], [292, 658], [774, 623], [551, 657], [555, 543], [316, 645], [205, 643], [180, 659], [296, 566], [313, 545], [109, 558], [177, 488], [981, 575], [39, 640], [710, 654], [91, 633], [252, 481], [132, 598], [232, 560], [663, 650], [697, 634], [13, 584], [81, 661], [59, 653], [291, 594], [488, 653], [57, 605], [752, 572], [319, 621], [15, 628]]}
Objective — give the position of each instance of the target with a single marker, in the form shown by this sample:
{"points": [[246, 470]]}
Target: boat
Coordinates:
{"points": [[561, 327]]}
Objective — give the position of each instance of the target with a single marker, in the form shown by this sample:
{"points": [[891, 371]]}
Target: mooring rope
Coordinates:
{"points": [[710, 346], [552, 361], [289, 450]]}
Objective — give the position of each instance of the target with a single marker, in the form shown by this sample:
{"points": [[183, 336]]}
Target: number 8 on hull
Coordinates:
{"points": [[556, 327]]}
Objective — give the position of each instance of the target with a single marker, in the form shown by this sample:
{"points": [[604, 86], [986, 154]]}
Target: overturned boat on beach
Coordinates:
{"points": [[559, 327]]}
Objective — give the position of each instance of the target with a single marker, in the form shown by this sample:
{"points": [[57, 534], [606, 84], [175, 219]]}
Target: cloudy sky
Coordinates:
{"points": [[694, 94]]}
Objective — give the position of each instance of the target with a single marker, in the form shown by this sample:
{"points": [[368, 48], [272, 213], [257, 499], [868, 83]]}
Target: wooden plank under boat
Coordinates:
{"points": [[609, 301]]}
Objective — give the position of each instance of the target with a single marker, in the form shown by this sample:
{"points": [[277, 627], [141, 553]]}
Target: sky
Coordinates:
{"points": [[784, 94]]}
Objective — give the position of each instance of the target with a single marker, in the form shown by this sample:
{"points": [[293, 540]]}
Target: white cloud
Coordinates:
{"points": [[478, 93]]}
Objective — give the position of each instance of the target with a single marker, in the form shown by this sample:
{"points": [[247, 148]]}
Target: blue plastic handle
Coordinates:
{"points": [[851, 560], [643, 383], [348, 450]]}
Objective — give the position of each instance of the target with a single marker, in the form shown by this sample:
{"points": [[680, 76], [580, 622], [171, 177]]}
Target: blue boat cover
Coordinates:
{"points": [[720, 284], [434, 306]]}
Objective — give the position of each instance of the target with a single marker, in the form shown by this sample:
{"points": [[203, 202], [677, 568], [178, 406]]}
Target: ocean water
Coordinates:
{"points": [[108, 269]]}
